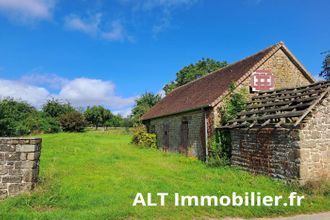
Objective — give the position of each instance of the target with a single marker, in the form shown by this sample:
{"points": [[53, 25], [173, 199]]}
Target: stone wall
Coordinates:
{"points": [[315, 144], [268, 151], [287, 75], [196, 132], [19, 165]]}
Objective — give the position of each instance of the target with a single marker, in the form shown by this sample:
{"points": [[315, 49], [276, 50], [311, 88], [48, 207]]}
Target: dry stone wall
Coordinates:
{"points": [[19, 165], [269, 151], [315, 144]]}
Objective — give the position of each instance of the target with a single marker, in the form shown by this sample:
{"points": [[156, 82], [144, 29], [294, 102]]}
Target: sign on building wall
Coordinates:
{"points": [[262, 80]]}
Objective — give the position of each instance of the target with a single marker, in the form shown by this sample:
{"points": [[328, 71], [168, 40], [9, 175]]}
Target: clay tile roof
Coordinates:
{"points": [[281, 108], [208, 90]]}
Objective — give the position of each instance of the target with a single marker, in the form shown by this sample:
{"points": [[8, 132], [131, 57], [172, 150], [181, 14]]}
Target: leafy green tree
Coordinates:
{"points": [[97, 115], [115, 121], [73, 122], [143, 104], [55, 108], [11, 114], [325, 73], [194, 71]]}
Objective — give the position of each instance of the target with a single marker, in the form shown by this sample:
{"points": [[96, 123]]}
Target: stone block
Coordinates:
{"points": [[27, 164], [23, 156], [33, 156], [30, 175], [3, 193], [26, 148], [11, 179], [3, 170], [7, 148], [12, 156]]}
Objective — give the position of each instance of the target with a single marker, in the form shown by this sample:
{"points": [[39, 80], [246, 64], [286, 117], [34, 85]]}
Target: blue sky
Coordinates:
{"points": [[109, 52]]}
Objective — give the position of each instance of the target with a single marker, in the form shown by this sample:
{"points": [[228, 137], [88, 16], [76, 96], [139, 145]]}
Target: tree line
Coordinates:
{"points": [[19, 118]]}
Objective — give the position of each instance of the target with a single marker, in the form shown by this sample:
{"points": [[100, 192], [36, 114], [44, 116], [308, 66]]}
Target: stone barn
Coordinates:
{"points": [[285, 133], [186, 118]]}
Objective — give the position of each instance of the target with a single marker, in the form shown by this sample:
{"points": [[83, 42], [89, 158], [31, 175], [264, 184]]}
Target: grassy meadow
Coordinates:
{"points": [[96, 175]]}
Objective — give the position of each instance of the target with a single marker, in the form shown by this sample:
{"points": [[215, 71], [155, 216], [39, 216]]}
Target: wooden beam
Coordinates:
{"points": [[311, 108]]}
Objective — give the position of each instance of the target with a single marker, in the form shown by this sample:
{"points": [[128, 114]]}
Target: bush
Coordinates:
{"points": [[220, 149], [73, 122], [37, 123], [143, 138], [12, 114]]}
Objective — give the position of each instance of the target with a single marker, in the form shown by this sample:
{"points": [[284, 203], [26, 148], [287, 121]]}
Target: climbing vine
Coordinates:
{"points": [[221, 141]]}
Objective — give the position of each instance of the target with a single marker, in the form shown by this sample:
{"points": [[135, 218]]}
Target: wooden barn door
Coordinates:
{"points": [[166, 137], [184, 137]]}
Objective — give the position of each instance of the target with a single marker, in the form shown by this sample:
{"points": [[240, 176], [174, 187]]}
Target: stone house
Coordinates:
{"points": [[186, 118], [285, 133]]}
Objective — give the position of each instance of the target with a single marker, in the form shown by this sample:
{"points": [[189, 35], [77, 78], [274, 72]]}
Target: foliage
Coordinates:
{"points": [[97, 115], [143, 138], [221, 142], [73, 122], [77, 170], [325, 73], [194, 71], [11, 114], [233, 104], [143, 104], [37, 123], [220, 149], [55, 108]]}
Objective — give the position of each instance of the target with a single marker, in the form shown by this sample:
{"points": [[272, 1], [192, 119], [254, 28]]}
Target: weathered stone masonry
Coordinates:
{"points": [[268, 151], [285, 134], [19, 165]]}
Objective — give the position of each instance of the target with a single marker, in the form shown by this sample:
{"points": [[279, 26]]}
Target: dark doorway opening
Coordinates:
{"points": [[184, 137]]}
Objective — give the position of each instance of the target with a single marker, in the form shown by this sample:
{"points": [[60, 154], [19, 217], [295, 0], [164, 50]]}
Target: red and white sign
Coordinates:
{"points": [[262, 80]]}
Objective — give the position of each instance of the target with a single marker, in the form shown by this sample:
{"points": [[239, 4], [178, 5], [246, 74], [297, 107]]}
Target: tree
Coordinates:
{"points": [[97, 115], [55, 108], [194, 71], [73, 122], [325, 73], [12, 113], [143, 104]]}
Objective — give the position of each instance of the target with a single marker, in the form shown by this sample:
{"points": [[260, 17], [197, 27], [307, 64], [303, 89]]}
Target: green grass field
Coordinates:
{"points": [[95, 175]]}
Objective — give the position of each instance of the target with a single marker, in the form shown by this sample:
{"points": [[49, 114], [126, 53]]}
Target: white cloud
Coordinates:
{"points": [[88, 25], [80, 92], [84, 92], [92, 25], [27, 10], [21, 91], [152, 4], [52, 80], [163, 8], [116, 33]]}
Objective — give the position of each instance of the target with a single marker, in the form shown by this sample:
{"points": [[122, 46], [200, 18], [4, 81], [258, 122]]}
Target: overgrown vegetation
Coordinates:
{"points": [[141, 137], [221, 142], [95, 175]]}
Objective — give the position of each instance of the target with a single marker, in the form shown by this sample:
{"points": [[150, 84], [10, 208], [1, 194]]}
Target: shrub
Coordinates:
{"points": [[37, 123], [73, 122], [143, 138]]}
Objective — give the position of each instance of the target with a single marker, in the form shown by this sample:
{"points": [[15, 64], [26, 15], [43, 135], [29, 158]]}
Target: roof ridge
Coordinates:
{"points": [[279, 44]]}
